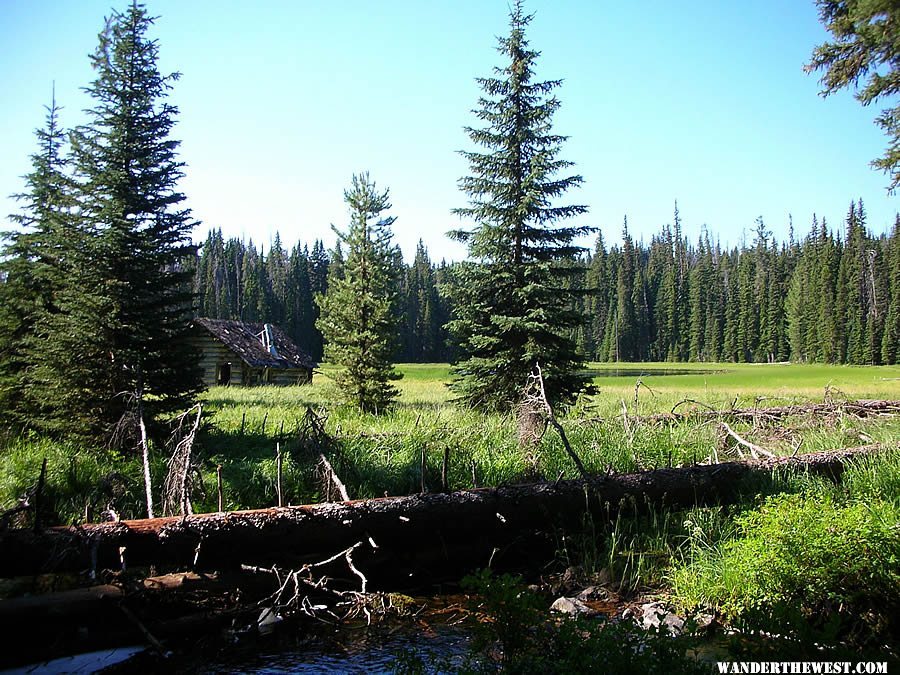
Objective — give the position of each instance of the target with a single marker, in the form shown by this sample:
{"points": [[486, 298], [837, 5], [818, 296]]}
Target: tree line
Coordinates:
{"points": [[235, 279], [830, 296]]}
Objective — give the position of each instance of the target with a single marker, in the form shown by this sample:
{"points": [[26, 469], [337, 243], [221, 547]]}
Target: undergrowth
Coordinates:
{"points": [[823, 560]]}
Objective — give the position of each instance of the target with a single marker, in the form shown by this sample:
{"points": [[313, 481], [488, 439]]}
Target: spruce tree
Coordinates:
{"points": [[865, 56], [357, 320], [512, 311], [890, 340], [34, 264], [300, 319], [122, 327], [601, 290]]}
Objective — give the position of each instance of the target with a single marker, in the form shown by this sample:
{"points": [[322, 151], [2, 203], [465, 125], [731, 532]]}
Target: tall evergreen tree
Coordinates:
{"points": [[300, 317], [890, 340], [512, 311], [33, 263], [357, 319], [122, 325], [865, 50]]}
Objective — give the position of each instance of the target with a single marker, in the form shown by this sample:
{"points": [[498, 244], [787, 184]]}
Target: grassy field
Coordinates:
{"points": [[382, 454], [662, 385]]}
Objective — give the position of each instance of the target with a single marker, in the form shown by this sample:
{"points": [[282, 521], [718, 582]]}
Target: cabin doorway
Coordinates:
{"points": [[223, 376]]}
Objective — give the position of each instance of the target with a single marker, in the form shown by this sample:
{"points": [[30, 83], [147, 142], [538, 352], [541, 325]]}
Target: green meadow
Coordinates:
{"points": [[378, 454], [382, 453]]}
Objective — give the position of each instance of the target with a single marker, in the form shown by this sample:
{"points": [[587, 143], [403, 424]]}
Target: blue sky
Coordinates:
{"points": [[282, 101]]}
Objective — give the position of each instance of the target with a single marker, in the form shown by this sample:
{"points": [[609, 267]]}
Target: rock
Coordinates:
{"points": [[654, 615], [594, 593], [603, 577], [571, 606], [704, 622]]}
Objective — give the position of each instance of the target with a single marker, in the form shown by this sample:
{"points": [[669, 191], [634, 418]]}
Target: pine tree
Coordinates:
{"points": [[890, 340], [122, 323], [276, 282], [253, 299], [357, 319], [700, 298], [512, 311], [681, 340], [600, 291], [299, 312], [865, 52], [34, 263]]}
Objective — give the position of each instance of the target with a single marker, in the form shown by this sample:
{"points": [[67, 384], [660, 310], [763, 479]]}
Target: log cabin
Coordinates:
{"points": [[242, 353]]}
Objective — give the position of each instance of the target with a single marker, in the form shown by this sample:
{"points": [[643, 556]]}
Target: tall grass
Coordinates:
{"points": [[382, 454]]}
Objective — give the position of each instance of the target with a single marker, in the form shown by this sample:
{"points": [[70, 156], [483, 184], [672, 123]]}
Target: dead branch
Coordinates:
{"points": [[637, 388], [331, 477], [178, 484], [536, 394], [860, 409], [131, 426], [755, 450]]}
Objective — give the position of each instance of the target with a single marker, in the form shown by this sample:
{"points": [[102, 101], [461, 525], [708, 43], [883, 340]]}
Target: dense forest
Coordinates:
{"points": [[830, 296]]}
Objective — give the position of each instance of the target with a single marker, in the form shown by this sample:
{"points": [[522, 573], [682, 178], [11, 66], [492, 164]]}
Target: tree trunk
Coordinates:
{"points": [[407, 541]]}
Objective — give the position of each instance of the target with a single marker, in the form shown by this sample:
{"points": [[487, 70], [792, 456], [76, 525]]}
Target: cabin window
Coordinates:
{"points": [[223, 376]]}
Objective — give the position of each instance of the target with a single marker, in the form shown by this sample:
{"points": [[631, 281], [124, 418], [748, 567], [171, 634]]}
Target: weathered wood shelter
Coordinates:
{"points": [[242, 353]]}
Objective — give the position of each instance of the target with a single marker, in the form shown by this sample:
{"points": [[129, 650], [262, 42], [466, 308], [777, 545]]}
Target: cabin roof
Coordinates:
{"points": [[247, 341]]}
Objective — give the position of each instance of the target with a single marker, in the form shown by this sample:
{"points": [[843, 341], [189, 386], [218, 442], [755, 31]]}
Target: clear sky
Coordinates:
{"points": [[281, 101]]}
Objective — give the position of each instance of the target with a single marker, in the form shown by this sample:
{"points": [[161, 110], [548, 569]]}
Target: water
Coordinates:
{"points": [[360, 650], [650, 372]]}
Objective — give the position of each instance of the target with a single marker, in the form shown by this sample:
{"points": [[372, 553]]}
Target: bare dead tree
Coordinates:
{"points": [[179, 477], [131, 425], [535, 401]]}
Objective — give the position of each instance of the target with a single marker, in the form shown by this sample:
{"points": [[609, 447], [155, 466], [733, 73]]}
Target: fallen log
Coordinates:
{"points": [[420, 538], [862, 409]]}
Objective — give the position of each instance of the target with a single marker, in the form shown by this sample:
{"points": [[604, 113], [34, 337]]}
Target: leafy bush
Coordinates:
{"points": [[832, 561]]}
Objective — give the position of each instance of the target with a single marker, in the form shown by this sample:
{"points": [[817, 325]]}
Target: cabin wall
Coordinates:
{"points": [[214, 355], [277, 376]]}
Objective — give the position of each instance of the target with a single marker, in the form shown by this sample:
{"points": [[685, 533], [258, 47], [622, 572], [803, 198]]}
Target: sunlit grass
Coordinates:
{"points": [[378, 454]]}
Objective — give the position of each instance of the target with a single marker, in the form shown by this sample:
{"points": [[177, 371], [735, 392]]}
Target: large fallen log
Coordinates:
{"points": [[399, 541], [862, 408]]}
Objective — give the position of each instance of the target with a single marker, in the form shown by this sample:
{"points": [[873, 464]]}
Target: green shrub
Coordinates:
{"points": [[813, 554]]}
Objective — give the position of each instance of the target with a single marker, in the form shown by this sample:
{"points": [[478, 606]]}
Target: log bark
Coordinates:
{"points": [[420, 537], [862, 408]]}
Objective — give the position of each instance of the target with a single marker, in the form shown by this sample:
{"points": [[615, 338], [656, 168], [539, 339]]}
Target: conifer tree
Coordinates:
{"points": [[701, 297], [599, 298], [512, 311], [300, 317], [33, 263], [357, 318], [890, 340], [130, 300], [865, 56]]}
